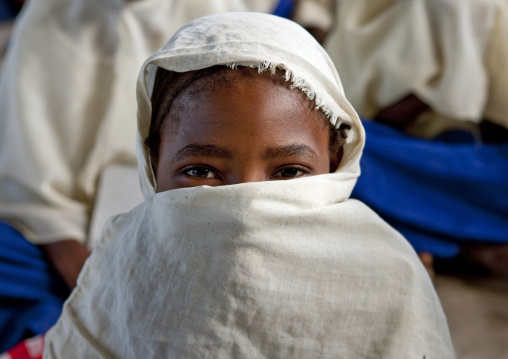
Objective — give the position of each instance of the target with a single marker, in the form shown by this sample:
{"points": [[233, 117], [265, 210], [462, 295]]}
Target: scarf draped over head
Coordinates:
{"points": [[255, 40], [274, 269]]}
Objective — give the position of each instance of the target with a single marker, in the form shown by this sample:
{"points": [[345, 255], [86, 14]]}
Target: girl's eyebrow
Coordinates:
{"points": [[296, 149], [195, 149]]}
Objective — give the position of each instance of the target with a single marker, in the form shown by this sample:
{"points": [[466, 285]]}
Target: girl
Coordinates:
{"points": [[226, 258]]}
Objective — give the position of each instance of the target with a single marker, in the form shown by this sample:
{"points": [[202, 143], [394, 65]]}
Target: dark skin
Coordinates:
{"points": [[68, 257], [319, 34], [250, 130], [403, 113]]}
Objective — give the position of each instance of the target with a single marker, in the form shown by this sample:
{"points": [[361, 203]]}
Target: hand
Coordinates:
{"points": [[403, 113], [68, 258]]}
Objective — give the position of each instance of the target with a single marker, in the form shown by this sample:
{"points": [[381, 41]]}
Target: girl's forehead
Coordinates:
{"points": [[244, 100], [243, 79], [251, 115]]}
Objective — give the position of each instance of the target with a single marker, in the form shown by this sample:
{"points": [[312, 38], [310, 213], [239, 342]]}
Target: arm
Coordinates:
{"points": [[68, 257]]}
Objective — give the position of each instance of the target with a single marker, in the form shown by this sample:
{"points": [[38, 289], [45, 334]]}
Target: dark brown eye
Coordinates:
{"points": [[289, 172], [200, 172]]}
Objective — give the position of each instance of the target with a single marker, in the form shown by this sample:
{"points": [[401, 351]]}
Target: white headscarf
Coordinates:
{"points": [[274, 269]]}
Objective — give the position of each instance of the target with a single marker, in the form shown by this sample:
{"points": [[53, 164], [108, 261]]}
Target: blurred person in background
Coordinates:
{"points": [[433, 75]]}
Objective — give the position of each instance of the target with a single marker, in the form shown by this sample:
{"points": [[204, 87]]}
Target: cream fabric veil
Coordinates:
{"points": [[281, 269]]}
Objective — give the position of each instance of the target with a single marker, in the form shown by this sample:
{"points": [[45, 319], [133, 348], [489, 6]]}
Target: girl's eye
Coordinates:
{"points": [[201, 172], [290, 172]]}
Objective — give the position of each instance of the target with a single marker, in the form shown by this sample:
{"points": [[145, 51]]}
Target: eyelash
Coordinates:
{"points": [[185, 171], [302, 169]]}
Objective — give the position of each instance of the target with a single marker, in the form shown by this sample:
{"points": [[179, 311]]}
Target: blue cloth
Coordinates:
{"points": [[439, 194], [6, 11], [284, 8], [31, 292]]}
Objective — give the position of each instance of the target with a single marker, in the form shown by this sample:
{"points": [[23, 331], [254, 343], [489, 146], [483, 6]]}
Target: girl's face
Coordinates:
{"points": [[249, 130]]}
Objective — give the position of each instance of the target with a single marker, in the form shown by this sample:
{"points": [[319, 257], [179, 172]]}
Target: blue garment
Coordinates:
{"points": [[7, 12], [439, 194], [284, 8], [31, 291]]}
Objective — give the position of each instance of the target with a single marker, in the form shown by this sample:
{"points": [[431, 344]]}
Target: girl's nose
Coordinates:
{"points": [[248, 174]]}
